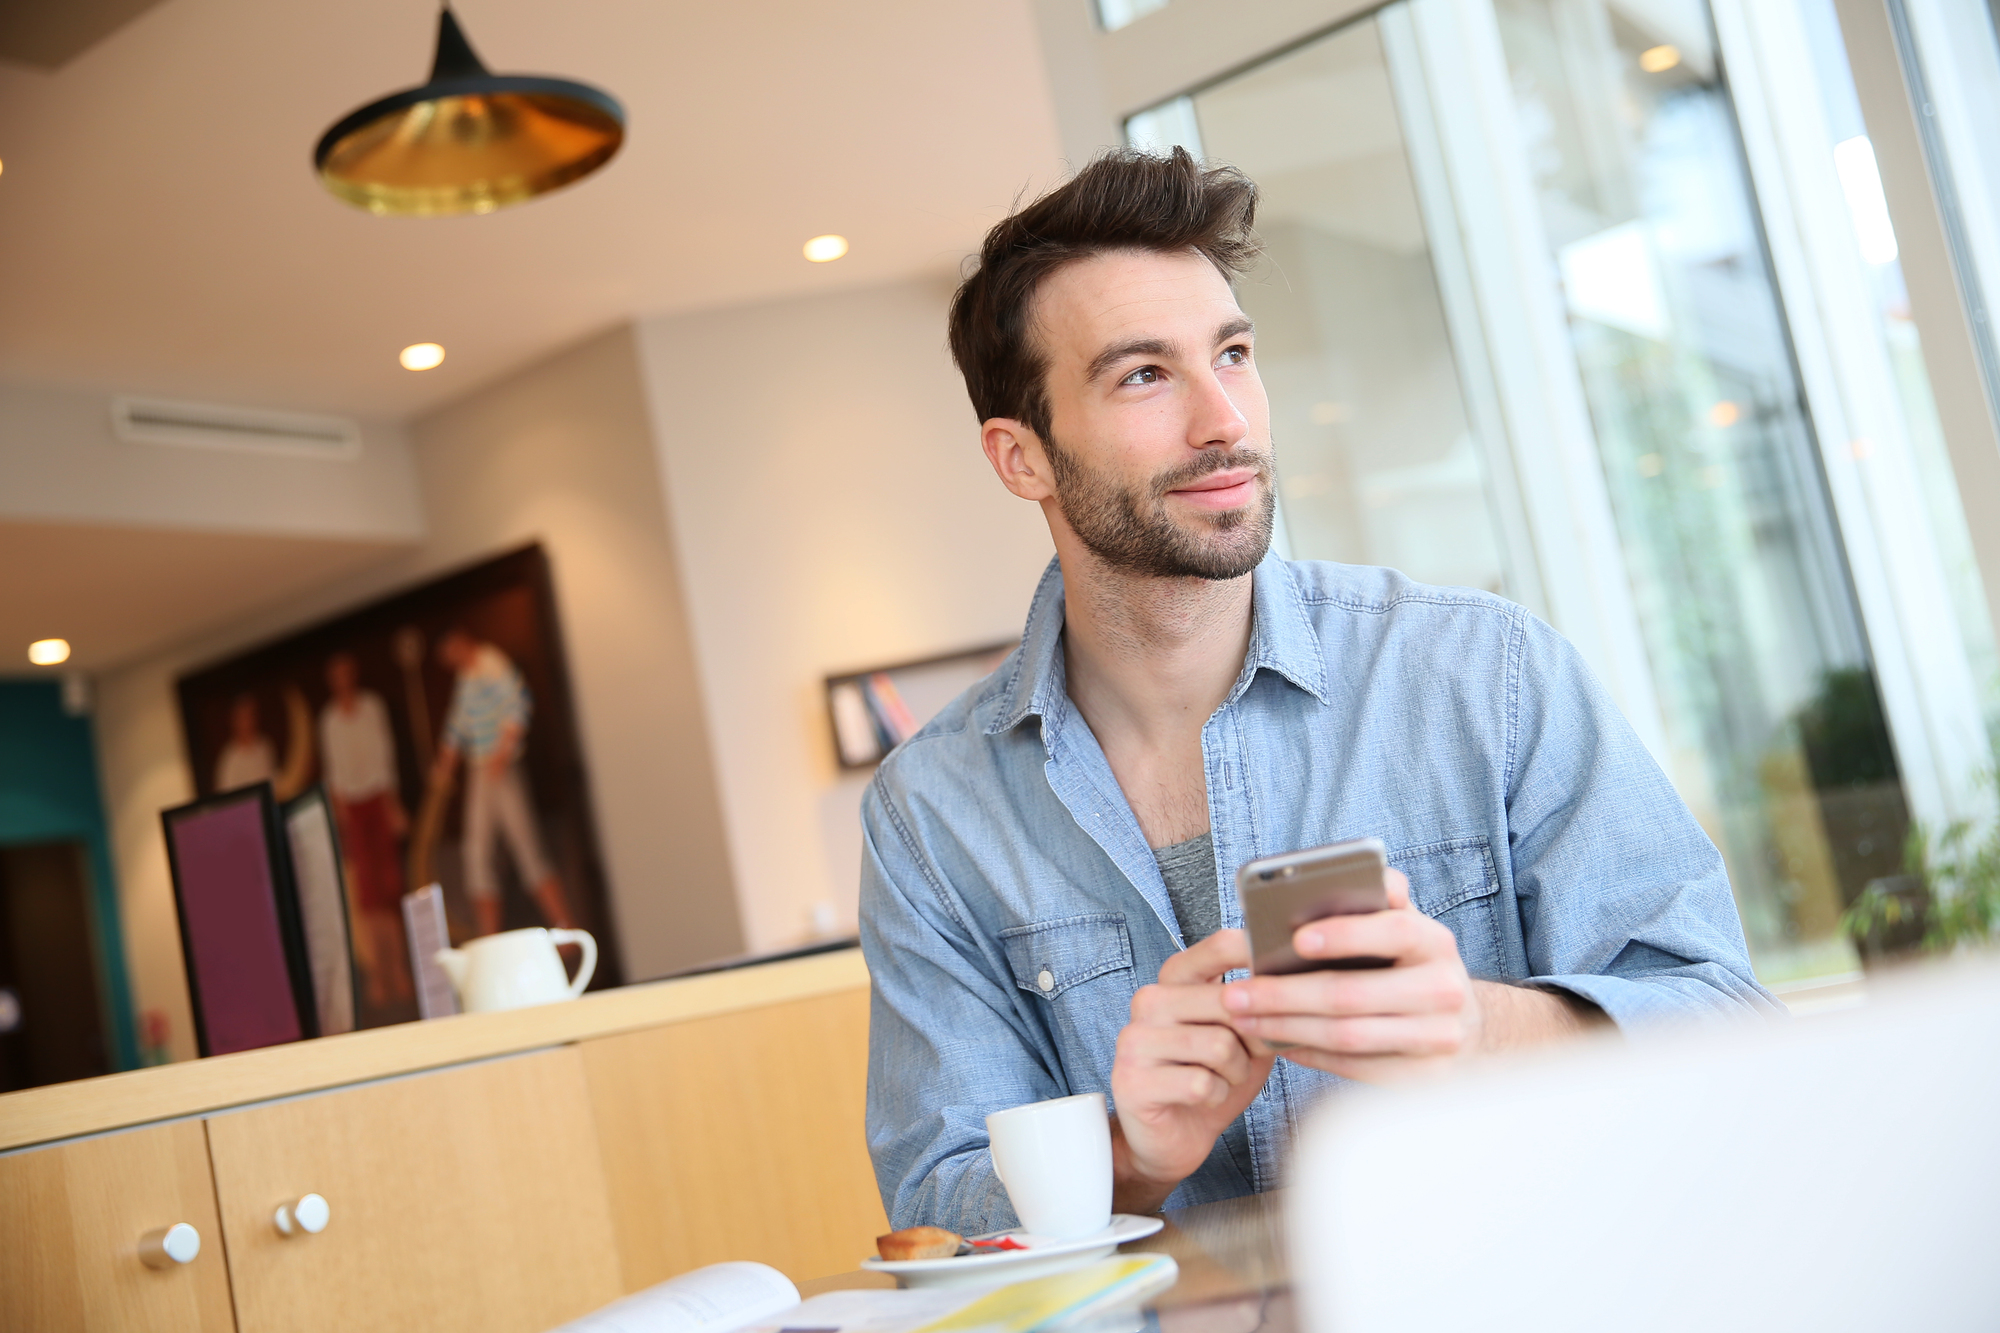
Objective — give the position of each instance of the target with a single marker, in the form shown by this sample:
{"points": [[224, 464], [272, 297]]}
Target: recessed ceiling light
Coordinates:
{"points": [[422, 356], [49, 652], [825, 249], [1659, 59]]}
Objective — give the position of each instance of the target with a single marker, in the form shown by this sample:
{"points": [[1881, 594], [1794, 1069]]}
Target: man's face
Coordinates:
{"points": [[1160, 448], [341, 675]]}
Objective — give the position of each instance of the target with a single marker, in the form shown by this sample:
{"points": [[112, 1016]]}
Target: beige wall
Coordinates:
{"points": [[832, 511], [61, 462], [562, 454]]}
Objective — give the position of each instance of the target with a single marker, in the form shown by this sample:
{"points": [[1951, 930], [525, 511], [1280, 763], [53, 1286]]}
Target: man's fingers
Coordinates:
{"points": [[1164, 1005], [1398, 885], [1208, 960], [1205, 1044], [1382, 1069], [1405, 1035], [1403, 934], [1383, 990]]}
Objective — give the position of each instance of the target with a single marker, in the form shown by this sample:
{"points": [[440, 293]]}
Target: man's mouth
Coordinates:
{"points": [[1225, 489]]}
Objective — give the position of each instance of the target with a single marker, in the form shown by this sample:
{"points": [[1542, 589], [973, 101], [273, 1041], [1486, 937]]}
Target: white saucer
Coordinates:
{"points": [[1041, 1256]]}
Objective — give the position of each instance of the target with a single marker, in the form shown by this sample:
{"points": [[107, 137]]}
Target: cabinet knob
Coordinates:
{"points": [[307, 1213], [163, 1247]]}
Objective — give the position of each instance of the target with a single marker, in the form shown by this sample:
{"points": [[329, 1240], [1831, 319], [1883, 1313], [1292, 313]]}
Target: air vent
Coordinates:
{"points": [[211, 426]]}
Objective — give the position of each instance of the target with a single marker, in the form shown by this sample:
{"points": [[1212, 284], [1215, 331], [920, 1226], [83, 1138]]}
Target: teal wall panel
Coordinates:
{"points": [[49, 793]]}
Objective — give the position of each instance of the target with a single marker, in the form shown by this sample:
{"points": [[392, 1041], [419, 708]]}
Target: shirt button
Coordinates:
{"points": [[1047, 980]]}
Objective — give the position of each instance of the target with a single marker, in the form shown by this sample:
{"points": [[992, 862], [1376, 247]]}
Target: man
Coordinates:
{"points": [[247, 757], [487, 724], [358, 758], [1047, 900]]}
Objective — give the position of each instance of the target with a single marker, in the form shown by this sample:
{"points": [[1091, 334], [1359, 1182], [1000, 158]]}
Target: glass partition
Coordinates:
{"points": [[1770, 721], [1774, 723], [1376, 458]]}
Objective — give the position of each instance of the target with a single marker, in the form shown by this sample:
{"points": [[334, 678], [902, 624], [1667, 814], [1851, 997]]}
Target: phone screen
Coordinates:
{"points": [[1282, 893]]}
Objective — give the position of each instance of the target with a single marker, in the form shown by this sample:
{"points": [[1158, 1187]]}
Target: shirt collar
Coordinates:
{"points": [[1282, 638]]}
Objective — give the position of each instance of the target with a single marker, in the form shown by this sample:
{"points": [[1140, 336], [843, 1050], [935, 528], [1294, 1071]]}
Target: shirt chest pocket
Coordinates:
{"points": [[1453, 882], [1049, 958], [1079, 971]]}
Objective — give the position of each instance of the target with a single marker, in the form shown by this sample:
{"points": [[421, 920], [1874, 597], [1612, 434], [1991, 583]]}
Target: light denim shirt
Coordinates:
{"points": [[1010, 905]]}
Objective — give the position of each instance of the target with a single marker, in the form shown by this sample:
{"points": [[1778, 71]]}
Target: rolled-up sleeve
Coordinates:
{"points": [[1623, 899], [947, 1042]]}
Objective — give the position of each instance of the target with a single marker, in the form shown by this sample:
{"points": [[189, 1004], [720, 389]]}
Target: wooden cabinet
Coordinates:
{"points": [[71, 1218], [500, 1172], [471, 1198], [740, 1136]]}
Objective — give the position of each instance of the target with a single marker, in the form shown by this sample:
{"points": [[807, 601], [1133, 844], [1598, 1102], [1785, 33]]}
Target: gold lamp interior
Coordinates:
{"points": [[468, 141]]}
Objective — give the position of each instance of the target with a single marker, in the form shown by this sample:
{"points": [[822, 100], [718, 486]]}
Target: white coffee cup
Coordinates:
{"points": [[1054, 1157]]}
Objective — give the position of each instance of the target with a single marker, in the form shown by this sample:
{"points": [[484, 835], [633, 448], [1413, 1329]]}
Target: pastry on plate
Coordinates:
{"points": [[919, 1243]]}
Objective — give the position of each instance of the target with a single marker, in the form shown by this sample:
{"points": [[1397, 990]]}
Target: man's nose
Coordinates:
{"points": [[1215, 418]]}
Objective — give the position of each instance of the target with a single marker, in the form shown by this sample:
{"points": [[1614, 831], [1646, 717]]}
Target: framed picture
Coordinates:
{"points": [[249, 980], [876, 710], [438, 723]]}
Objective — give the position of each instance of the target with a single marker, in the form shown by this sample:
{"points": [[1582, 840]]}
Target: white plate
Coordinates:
{"points": [[1041, 1256]]}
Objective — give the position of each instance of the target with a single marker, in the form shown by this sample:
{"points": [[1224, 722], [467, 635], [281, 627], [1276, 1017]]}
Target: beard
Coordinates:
{"points": [[1131, 528]]}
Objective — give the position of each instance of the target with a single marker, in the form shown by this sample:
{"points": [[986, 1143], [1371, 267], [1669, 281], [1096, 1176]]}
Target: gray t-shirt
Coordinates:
{"points": [[1189, 869]]}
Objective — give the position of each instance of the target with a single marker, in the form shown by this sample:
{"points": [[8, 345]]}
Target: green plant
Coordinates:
{"points": [[1950, 887]]}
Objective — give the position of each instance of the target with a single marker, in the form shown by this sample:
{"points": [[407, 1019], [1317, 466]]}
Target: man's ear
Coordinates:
{"points": [[1018, 458]]}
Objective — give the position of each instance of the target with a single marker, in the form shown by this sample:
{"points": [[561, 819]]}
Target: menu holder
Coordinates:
{"points": [[425, 926], [314, 845], [249, 978]]}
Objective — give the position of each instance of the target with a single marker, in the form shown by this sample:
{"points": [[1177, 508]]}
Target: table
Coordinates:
{"points": [[1233, 1272]]}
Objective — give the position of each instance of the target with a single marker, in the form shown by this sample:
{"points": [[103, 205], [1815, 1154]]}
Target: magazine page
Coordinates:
{"points": [[717, 1299]]}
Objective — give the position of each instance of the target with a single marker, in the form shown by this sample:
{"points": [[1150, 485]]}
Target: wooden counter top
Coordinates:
{"points": [[194, 1087]]}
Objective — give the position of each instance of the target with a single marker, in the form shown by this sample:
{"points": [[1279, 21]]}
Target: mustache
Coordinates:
{"points": [[1214, 460]]}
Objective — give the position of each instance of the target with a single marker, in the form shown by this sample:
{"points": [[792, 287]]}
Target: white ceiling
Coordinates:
{"points": [[161, 230], [117, 592]]}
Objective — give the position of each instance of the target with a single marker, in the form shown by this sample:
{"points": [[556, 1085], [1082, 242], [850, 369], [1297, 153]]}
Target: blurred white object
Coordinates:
{"points": [[517, 968], [1842, 1173]]}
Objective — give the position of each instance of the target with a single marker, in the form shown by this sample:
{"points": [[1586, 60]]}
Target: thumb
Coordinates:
{"points": [[1398, 885]]}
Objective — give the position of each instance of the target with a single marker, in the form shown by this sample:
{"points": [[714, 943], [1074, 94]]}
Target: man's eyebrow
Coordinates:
{"points": [[1117, 352], [1112, 355]]}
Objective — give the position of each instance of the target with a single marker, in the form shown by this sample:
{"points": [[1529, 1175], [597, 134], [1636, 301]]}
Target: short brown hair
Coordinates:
{"points": [[1124, 200]]}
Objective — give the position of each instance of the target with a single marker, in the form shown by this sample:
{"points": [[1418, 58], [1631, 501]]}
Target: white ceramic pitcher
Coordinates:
{"points": [[516, 968]]}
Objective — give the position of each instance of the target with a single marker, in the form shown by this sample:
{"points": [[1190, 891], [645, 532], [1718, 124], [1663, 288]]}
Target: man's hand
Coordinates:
{"points": [[1417, 1017], [1182, 1074]]}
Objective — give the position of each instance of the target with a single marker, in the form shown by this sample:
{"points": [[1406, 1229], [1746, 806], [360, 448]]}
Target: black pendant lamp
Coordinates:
{"points": [[468, 141]]}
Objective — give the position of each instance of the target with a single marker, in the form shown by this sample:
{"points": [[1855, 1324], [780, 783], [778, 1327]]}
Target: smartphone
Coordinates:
{"points": [[1281, 893]]}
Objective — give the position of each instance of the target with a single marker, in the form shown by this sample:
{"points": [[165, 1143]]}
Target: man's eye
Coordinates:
{"points": [[1143, 375], [1234, 356]]}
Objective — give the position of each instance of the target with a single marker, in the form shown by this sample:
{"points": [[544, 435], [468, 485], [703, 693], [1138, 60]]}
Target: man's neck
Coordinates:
{"points": [[1150, 658]]}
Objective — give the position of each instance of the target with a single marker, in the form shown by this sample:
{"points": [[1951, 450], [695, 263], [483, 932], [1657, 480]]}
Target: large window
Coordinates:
{"points": [[1380, 465], [1528, 324]]}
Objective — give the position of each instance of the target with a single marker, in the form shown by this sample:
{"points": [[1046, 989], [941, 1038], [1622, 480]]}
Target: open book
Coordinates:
{"points": [[717, 1299], [754, 1298]]}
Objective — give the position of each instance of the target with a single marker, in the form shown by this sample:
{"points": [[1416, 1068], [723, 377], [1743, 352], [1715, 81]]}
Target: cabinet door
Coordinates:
{"points": [[740, 1137], [471, 1198], [71, 1218]]}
